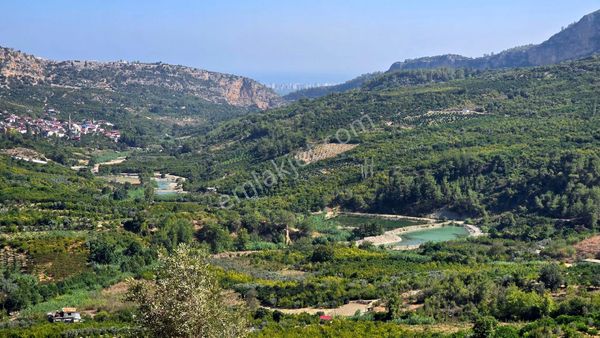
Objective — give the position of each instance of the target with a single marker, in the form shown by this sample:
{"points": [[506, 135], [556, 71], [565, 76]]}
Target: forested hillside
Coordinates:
{"points": [[451, 142]]}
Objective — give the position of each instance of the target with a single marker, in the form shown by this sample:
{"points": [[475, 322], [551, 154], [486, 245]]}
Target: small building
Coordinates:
{"points": [[325, 318], [65, 315]]}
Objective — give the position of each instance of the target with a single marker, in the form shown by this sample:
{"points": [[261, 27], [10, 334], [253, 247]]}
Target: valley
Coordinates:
{"points": [[444, 197], [296, 256]]}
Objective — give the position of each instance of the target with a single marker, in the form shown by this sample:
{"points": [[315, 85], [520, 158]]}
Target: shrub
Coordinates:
{"points": [[484, 327]]}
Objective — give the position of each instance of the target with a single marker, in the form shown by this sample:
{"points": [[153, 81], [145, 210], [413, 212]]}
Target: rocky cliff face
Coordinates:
{"points": [[579, 40], [14, 64], [17, 67]]}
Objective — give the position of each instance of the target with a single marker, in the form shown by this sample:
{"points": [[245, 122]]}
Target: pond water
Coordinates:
{"points": [[163, 184], [443, 234], [168, 184]]}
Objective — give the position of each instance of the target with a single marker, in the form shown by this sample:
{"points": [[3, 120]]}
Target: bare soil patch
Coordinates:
{"points": [[345, 310], [588, 248], [124, 178], [323, 151], [117, 289], [118, 160], [26, 155]]}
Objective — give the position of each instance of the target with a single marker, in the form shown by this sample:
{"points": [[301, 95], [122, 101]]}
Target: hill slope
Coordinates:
{"points": [[312, 93], [580, 40], [445, 144]]}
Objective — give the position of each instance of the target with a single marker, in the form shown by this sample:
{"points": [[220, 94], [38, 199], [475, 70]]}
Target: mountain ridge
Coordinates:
{"points": [[213, 87], [579, 40]]}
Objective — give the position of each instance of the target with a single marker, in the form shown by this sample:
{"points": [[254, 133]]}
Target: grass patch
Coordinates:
{"points": [[52, 255], [108, 155], [328, 229], [135, 193], [388, 224], [81, 299]]}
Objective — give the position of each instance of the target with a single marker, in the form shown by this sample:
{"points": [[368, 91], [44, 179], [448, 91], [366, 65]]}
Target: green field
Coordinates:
{"points": [[108, 155], [388, 224]]}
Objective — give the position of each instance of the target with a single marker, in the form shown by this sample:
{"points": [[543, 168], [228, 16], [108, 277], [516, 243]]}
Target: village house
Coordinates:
{"points": [[50, 126]]}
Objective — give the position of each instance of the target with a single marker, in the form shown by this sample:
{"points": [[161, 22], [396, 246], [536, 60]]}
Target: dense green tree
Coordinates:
{"points": [[367, 229], [18, 291], [174, 231], [216, 237], [103, 249], [519, 304], [242, 239], [322, 253], [137, 224], [552, 276]]}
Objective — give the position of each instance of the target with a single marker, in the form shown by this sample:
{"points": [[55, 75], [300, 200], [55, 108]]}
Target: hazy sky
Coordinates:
{"points": [[280, 41]]}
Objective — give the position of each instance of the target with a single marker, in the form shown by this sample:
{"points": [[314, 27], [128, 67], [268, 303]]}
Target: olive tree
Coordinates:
{"points": [[185, 299]]}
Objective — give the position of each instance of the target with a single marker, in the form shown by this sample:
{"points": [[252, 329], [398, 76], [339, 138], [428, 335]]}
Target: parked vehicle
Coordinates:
{"points": [[65, 315]]}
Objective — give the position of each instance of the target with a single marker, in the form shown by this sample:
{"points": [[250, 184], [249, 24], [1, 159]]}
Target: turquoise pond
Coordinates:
{"points": [[443, 234], [162, 184]]}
